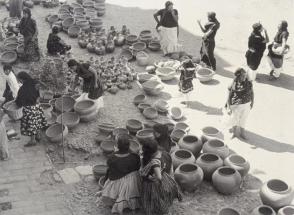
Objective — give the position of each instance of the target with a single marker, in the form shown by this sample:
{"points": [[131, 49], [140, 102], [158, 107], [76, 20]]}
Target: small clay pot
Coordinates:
{"points": [[139, 99], [177, 134], [145, 135], [107, 146], [287, 210], [238, 163], [209, 163], [216, 146], [228, 211], [209, 133], [181, 156], [54, 132], [191, 143]]}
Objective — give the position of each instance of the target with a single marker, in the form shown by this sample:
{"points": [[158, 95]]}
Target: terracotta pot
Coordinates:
{"points": [[91, 47], [287, 210], [188, 176], [131, 39], [90, 116], [143, 77], [8, 57], [205, 74], [152, 87], [82, 43], [110, 47], [209, 133], [150, 124], [119, 40], [142, 58], [150, 113], [176, 113], [73, 31], [139, 99], [177, 134], [107, 146], [64, 103], [209, 163], [226, 180], [238, 163], [228, 211], [216, 146], [154, 46], [276, 193], [181, 156], [70, 119], [54, 132], [161, 106], [263, 210], [105, 128], [191, 143], [134, 125], [85, 107], [145, 135], [99, 171], [143, 106]]}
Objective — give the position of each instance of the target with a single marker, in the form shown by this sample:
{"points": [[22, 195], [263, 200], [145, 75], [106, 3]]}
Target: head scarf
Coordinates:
{"points": [[27, 11], [168, 3], [284, 25]]}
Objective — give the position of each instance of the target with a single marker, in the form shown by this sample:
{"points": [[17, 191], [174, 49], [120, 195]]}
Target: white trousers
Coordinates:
{"points": [[240, 114], [277, 71]]}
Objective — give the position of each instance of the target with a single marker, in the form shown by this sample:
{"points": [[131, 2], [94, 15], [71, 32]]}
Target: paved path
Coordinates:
{"points": [[24, 188]]}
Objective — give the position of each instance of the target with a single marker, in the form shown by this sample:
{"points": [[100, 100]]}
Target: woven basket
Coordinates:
{"points": [[79, 10], [64, 16], [8, 57], [68, 22], [12, 110], [74, 31], [131, 39], [53, 19], [154, 46]]}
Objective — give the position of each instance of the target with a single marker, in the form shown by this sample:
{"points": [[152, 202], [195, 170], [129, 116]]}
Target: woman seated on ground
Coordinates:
{"points": [[162, 136], [121, 190], [4, 155], [33, 119], [159, 189], [55, 45]]}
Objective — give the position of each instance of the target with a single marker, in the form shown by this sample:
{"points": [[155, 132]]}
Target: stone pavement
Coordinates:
{"points": [[24, 187]]}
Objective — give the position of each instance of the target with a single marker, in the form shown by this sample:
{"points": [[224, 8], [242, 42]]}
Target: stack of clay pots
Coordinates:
{"points": [[100, 7]]}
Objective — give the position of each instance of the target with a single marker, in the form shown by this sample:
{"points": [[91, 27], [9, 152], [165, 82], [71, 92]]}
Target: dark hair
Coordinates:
{"points": [[123, 143], [168, 3], [149, 149], [284, 25], [211, 15], [25, 78], [256, 27], [72, 62], [161, 129], [27, 11], [239, 71], [7, 67], [55, 30]]}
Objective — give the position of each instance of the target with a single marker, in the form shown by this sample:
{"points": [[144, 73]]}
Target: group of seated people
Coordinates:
{"points": [[133, 182]]}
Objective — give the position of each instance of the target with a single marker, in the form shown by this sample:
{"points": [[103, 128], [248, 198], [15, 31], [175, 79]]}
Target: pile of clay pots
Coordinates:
{"points": [[13, 49]]}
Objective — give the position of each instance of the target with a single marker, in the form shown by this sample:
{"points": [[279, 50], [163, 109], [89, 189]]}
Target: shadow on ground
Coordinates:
{"points": [[195, 105], [285, 81]]}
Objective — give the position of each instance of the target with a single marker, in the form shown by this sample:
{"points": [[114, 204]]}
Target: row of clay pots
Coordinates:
{"points": [[265, 209]]}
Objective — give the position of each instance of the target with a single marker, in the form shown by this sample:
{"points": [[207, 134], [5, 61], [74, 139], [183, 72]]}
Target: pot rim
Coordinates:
{"points": [[266, 207], [276, 191], [229, 208], [188, 172], [226, 167], [235, 163], [208, 154], [190, 153]]}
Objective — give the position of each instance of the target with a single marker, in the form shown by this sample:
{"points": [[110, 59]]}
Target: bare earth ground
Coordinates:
{"points": [[270, 126]]}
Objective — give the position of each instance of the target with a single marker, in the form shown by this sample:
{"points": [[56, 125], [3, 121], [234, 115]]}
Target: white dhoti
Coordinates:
{"points": [[169, 40], [239, 114]]}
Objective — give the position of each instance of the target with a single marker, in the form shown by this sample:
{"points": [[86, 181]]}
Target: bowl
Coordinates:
{"points": [[73, 31], [64, 104], [79, 10], [85, 107], [64, 16], [161, 105], [150, 124], [131, 39], [8, 57], [145, 33], [95, 21], [54, 132], [120, 131], [127, 54], [70, 119], [65, 7], [106, 128], [166, 73], [107, 146], [68, 22], [177, 134], [138, 46], [53, 18], [88, 4], [176, 113], [151, 84], [150, 113], [134, 125], [99, 171], [205, 74], [76, 5], [139, 99], [143, 77], [154, 46], [182, 126], [145, 134], [143, 105], [142, 58]]}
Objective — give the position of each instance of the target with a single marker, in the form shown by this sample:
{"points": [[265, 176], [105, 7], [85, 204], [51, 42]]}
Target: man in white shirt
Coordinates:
{"points": [[12, 85]]}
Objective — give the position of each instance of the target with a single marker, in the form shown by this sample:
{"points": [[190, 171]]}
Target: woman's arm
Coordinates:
{"points": [[284, 43], [157, 173], [252, 97], [95, 76], [266, 40], [175, 15], [201, 27], [156, 17]]}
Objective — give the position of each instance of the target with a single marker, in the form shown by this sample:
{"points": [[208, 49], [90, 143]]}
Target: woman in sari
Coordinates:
{"points": [[168, 29], [159, 189], [33, 119], [4, 155], [277, 49], [28, 28], [15, 8]]}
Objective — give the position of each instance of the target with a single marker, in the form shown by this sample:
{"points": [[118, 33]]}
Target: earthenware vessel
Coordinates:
{"points": [[238, 163], [209, 163], [287, 210], [228, 211], [191, 143], [263, 210], [216, 146], [181, 156]]}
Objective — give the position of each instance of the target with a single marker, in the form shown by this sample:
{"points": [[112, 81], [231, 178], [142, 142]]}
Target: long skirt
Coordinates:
{"points": [[31, 49], [122, 193], [207, 53], [15, 8], [276, 64], [3, 142], [253, 59], [169, 40], [240, 114], [32, 121], [158, 197]]}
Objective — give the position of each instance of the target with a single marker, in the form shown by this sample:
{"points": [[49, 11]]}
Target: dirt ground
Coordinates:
{"points": [[269, 148]]}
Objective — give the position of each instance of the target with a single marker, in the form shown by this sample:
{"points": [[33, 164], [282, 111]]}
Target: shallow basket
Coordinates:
{"points": [[150, 113], [139, 46], [131, 39], [154, 46], [74, 31], [70, 119], [12, 110], [53, 18], [68, 22], [204, 74], [139, 99], [127, 54], [8, 57], [68, 103]]}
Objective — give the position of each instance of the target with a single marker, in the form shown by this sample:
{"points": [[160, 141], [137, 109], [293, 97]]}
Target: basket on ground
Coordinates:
{"points": [[12, 110]]}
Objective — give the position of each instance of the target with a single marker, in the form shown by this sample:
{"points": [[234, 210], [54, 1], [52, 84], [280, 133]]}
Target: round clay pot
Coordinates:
{"points": [[209, 133], [191, 143], [182, 126], [142, 78], [209, 163], [216, 146], [90, 116], [228, 211], [181, 156], [70, 119], [85, 107], [145, 135], [176, 113], [134, 125], [287, 210], [139, 99], [54, 132], [105, 128], [150, 113], [276, 193], [226, 180], [177, 134], [238, 163], [263, 210], [131, 39], [188, 176], [143, 106], [64, 103], [99, 171], [107, 146], [150, 124]]}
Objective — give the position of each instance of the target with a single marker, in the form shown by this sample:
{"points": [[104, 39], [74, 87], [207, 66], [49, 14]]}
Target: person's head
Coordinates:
{"points": [[240, 74], [27, 13], [283, 25], [24, 77], [169, 5], [257, 27], [211, 16], [123, 143], [7, 69], [160, 130], [55, 30], [72, 64], [149, 148]]}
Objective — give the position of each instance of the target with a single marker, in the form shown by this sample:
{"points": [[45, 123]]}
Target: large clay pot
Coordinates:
{"points": [[276, 193], [145, 135], [90, 116], [174, 147], [287, 210], [54, 132], [70, 119], [228, 211], [238, 163], [64, 103], [85, 107], [119, 131], [134, 125], [216, 146], [209, 133], [263, 210], [226, 180], [209, 163], [181, 156], [192, 143], [188, 176], [177, 134]]}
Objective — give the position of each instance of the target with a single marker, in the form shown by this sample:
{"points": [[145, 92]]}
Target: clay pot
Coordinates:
{"points": [[238, 163], [138, 46], [8, 57], [91, 47], [287, 210], [110, 47], [143, 106], [191, 143], [70, 119], [263, 210], [161, 106], [90, 116], [150, 113], [142, 58], [119, 40], [135, 146], [276, 193], [139, 99], [182, 126], [154, 46], [205, 74], [152, 87], [143, 77], [79, 10], [73, 31], [176, 113], [131, 39], [82, 43], [209, 163], [64, 104], [228, 211], [119, 131], [85, 107], [99, 171], [216, 146], [134, 125], [105, 128], [107, 146], [209, 133], [177, 134], [145, 135], [226, 180], [53, 18], [181, 156], [188, 176], [54, 132], [150, 124]]}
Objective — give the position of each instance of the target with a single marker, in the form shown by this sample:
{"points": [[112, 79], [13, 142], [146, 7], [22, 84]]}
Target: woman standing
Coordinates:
{"points": [[256, 47], [277, 49], [168, 29], [15, 8], [159, 189], [240, 101], [28, 28], [33, 119], [55, 45], [208, 40], [121, 190], [4, 155]]}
